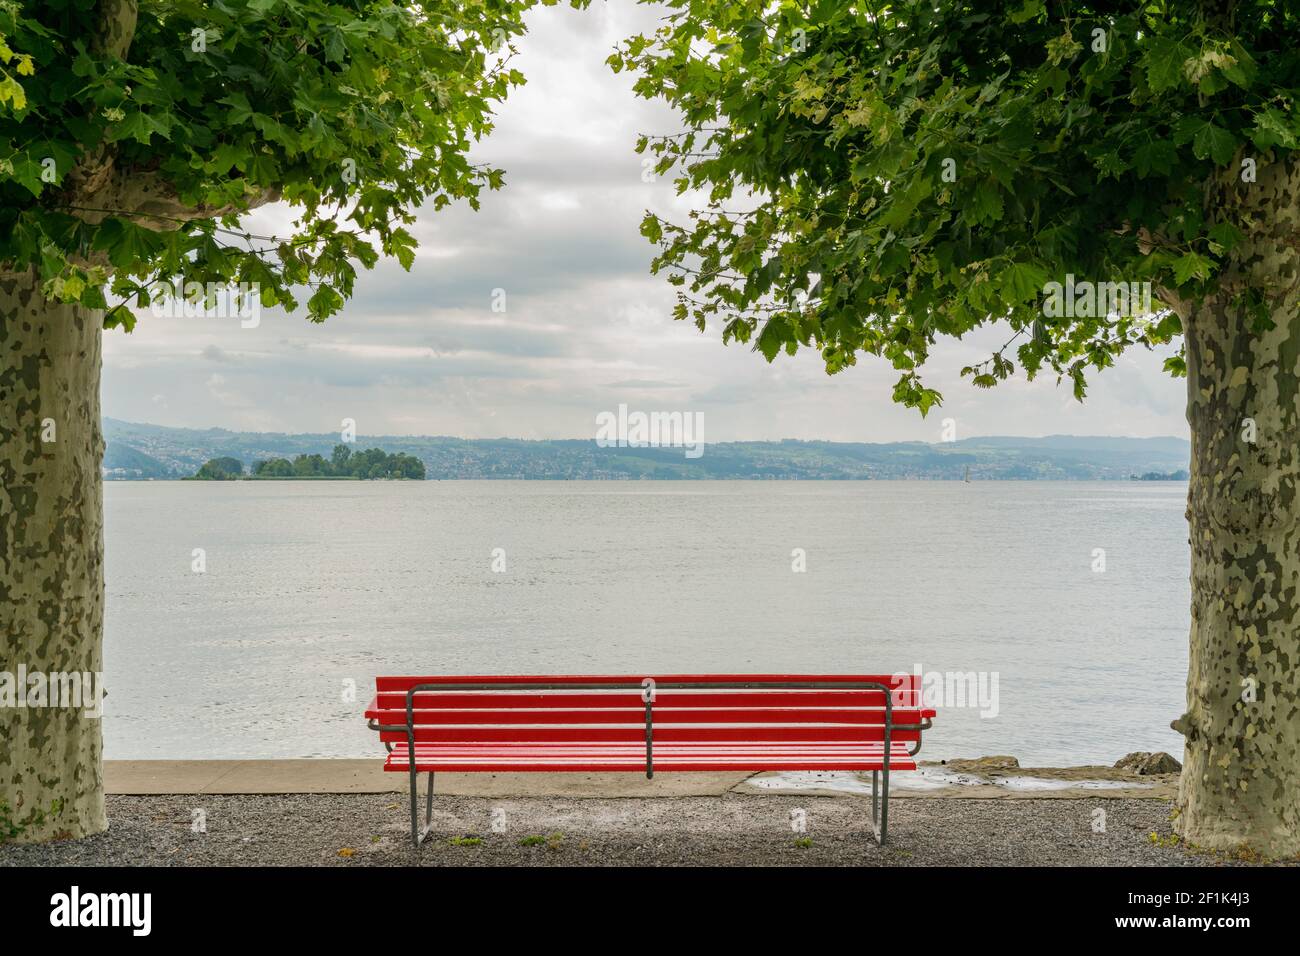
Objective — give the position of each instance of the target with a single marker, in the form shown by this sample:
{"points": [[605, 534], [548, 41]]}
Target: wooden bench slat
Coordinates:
{"points": [[635, 715], [807, 733], [404, 683], [630, 758], [664, 699]]}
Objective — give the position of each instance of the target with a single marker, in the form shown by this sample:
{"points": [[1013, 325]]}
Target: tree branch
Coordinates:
{"points": [[117, 19], [96, 184], [150, 198]]}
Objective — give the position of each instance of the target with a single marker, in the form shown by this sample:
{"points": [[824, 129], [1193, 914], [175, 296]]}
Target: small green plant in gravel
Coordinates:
{"points": [[803, 843], [1166, 842], [469, 840], [1246, 854], [534, 840]]}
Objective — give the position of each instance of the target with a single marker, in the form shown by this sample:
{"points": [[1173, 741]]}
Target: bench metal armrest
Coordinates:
{"points": [[922, 726], [374, 725]]}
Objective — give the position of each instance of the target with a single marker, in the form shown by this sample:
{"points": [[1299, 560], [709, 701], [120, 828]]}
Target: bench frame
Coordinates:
{"points": [[879, 806]]}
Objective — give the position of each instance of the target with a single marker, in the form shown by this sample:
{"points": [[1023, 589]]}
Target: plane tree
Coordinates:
{"points": [[870, 178], [134, 137]]}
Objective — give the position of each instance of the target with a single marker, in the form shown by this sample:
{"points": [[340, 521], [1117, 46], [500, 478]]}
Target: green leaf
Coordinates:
{"points": [[773, 337], [1214, 142], [27, 172], [1225, 235], [1022, 282], [926, 399], [987, 202], [1274, 128], [1163, 62], [1155, 156], [324, 303], [72, 288], [1192, 265], [127, 244], [11, 92], [402, 245], [240, 109], [1030, 11]]}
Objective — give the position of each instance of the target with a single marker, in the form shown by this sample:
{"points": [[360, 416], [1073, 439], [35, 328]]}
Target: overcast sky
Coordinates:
{"points": [[586, 327]]}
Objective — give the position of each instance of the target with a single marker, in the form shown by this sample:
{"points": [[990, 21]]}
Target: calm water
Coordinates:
{"points": [[311, 585]]}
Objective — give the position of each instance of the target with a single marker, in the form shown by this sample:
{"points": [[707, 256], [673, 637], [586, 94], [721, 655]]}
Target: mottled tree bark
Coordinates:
{"points": [[51, 557], [51, 499], [1241, 777]]}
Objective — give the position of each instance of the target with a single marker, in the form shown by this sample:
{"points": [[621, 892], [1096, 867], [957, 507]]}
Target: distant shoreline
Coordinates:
{"points": [[152, 451], [273, 478], [665, 479]]}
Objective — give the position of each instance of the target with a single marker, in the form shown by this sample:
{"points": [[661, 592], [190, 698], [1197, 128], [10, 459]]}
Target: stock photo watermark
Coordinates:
{"points": [[75, 909], [950, 689], [1085, 299], [37, 689], [624, 429], [212, 300]]}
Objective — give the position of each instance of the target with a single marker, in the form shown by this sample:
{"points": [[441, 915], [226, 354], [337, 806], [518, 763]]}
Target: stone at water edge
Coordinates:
{"points": [[1145, 764]]}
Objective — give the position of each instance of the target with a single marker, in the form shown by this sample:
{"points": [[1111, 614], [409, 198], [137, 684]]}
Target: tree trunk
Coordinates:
{"points": [[51, 562], [1240, 784]]}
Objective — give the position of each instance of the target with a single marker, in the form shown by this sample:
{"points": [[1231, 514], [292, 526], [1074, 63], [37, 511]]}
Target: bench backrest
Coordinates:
{"points": [[685, 707]]}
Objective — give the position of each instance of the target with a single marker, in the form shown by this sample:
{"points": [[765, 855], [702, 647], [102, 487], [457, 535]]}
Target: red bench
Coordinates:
{"points": [[676, 722]]}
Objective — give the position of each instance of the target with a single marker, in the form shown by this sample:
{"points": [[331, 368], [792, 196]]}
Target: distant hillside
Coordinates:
{"points": [[155, 451], [122, 460]]}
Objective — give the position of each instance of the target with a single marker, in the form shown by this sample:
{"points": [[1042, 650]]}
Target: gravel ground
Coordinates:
{"points": [[734, 829]]}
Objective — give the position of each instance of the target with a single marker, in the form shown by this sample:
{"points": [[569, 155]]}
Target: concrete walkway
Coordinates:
{"points": [[156, 777], [145, 777]]}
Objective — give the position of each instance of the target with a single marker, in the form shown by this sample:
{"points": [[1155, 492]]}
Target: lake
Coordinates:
{"points": [[312, 588]]}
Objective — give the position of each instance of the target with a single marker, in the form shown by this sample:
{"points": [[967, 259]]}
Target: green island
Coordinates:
{"points": [[344, 464]]}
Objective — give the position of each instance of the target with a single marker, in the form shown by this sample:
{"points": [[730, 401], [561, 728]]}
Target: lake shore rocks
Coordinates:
{"points": [[1146, 764]]}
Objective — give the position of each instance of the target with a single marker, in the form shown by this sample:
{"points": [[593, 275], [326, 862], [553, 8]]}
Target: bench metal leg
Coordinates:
{"points": [[879, 809], [418, 835]]}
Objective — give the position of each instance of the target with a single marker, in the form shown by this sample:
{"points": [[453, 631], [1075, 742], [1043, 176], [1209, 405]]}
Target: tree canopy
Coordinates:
{"points": [[220, 469], [132, 135], [874, 176]]}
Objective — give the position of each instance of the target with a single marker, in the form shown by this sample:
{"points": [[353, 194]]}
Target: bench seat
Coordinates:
{"points": [[668, 756]]}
